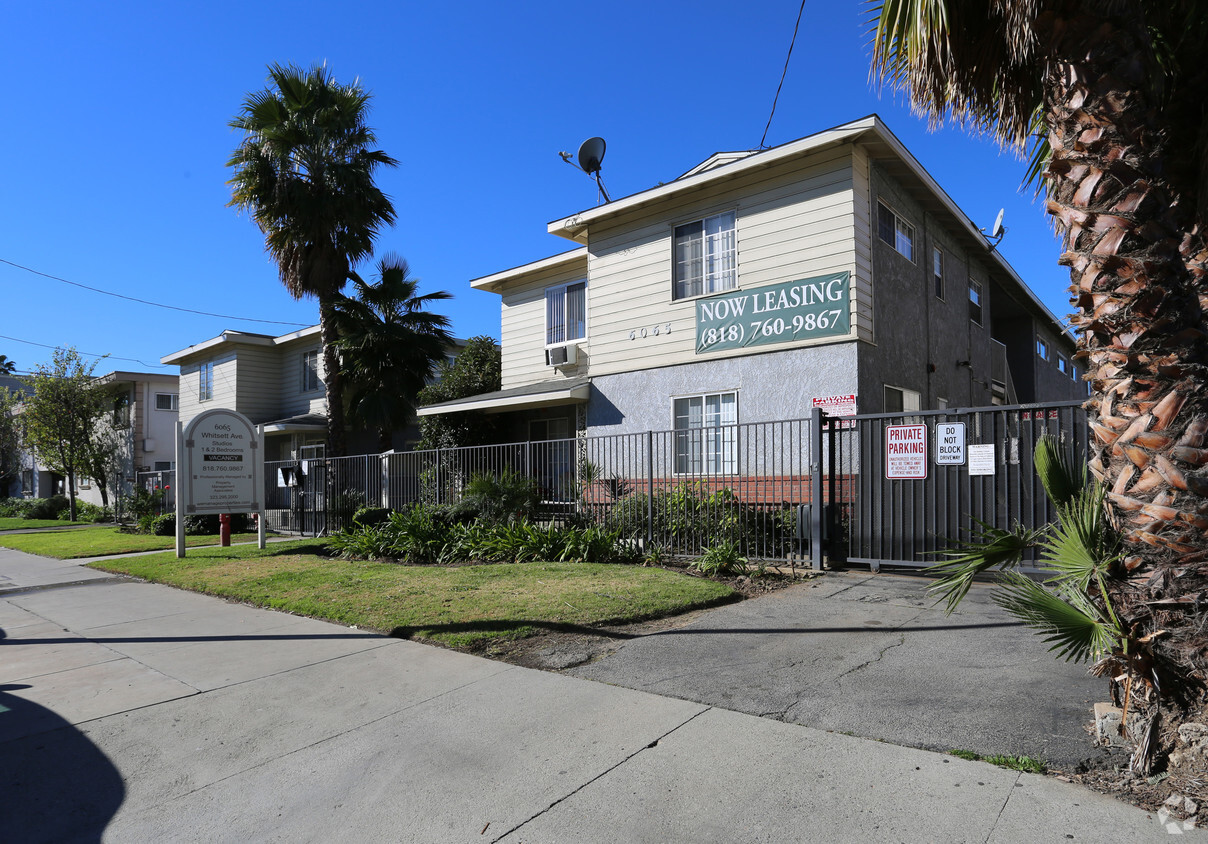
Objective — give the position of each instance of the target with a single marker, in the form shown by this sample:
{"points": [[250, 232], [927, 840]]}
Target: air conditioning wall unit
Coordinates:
{"points": [[562, 355]]}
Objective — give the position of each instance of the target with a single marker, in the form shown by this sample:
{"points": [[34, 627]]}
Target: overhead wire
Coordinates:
{"points": [[783, 73], [85, 354], [148, 302]]}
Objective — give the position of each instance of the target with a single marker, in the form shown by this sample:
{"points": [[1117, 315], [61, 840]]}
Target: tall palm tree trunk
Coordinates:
{"points": [[1136, 261], [332, 379]]}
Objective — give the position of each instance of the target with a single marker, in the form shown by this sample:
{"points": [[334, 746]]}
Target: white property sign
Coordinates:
{"points": [[220, 469], [906, 452], [950, 444]]}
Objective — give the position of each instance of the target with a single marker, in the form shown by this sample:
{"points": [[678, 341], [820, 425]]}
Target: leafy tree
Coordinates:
{"points": [[7, 367], [390, 345], [10, 439], [60, 414], [475, 370], [1114, 94], [305, 173], [104, 460]]}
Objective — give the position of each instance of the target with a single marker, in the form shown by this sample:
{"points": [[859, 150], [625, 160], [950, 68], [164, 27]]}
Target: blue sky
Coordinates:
{"points": [[114, 154]]}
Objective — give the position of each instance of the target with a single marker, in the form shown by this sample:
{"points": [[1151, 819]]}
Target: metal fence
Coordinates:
{"points": [[751, 484], [164, 482]]}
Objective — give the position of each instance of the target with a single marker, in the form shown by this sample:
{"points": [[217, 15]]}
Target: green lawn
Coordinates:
{"points": [[24, 524], [99, 541], [456, 606]]}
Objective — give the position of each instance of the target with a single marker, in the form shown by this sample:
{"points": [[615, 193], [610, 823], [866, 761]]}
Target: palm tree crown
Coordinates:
{"points": [[304, 171]]}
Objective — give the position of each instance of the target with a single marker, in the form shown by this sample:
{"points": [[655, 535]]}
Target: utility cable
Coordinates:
{"points": [[85, 354], [146, 302], [783, 73]]}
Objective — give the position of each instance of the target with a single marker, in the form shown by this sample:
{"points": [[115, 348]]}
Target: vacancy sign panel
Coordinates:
{"points": [[906, 452]]}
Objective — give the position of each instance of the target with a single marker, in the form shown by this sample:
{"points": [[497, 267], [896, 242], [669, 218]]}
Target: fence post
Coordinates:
{"points": [[439, 462], [816, 488], [649, 489], [385, 464]]}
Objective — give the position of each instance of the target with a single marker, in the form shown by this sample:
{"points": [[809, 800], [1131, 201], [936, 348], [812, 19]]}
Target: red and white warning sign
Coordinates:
{"points": [[838, 406], [906, 452]]}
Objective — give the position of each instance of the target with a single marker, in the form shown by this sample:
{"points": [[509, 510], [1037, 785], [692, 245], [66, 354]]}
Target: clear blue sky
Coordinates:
{"points": [[116, 141]]}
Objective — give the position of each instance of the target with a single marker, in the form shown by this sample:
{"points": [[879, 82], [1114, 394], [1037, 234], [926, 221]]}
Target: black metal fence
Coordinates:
{"points": [[751, 484]]}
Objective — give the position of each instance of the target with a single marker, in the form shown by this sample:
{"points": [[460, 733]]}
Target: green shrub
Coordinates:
{"points": [[146, 503], [89, 512], [208, 524], [364, 542], [164, 525], [367, 516], [46, 508], [504, 498], [722, 559]]}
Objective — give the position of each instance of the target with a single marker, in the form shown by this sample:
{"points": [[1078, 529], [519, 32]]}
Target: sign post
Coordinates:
{"points": [[220, 469]]}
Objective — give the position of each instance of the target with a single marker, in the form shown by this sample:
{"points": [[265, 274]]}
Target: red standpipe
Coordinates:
{"points": [[224, 530]]}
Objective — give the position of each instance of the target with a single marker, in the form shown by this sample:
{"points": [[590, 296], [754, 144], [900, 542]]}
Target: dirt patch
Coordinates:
{"points": [[559, 650]]}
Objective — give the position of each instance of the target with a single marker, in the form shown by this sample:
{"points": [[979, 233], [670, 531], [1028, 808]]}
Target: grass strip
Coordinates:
{"points": [[1016, 763], [458, 606], [24, 524], [98, 542]]}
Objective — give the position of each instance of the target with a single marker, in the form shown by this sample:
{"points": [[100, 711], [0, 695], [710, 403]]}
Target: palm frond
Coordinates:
{"points": [[989, 548], [1065, 617], [1081, 544], [1062, 482]]}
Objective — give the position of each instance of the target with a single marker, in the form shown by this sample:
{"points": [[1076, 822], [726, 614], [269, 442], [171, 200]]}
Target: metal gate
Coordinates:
{"points": [[878, 519]]}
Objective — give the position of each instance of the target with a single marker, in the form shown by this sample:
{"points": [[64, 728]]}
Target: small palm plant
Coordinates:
{"points": [[1073, 608]]}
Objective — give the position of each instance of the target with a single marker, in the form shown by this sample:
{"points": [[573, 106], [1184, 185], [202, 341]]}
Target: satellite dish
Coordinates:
{"points": [[591, 155], [998, 231]]}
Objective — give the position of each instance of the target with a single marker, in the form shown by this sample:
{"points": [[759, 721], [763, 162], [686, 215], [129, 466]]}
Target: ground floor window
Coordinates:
{"points": [[27, 481], [706, 434]]}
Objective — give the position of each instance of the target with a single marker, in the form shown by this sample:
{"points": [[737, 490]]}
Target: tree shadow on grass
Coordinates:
{"points": [[55, 784]]}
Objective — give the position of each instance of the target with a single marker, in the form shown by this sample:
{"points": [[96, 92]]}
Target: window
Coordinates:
{"points": [[895, 231], [310, 371], [937, 271], [706, 434], [706, 256], [121, 411], [27, 481], [565, 313], [1042, 349], [941, 403], [975, 301], [167, 401], [163, 466], [899, 400], [205, 383]]}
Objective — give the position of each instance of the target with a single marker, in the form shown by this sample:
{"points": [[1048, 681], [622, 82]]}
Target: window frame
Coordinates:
{"points": [[311, 372], [1042, 349], [205, 383], [173, 401], [903, 392], [937, 277], [975, 286], [564, 288], [899, 222], [716, 453], [677, 282]]}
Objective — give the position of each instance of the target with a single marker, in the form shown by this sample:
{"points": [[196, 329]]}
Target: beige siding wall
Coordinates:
{"points": [[523, 327], [796, 220], [862, 309], [258, 374], [293, 401], [225, 368]]}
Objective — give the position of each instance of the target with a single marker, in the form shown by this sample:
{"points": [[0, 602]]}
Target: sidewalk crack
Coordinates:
{"points": [[600, 776], [1003, 807]]}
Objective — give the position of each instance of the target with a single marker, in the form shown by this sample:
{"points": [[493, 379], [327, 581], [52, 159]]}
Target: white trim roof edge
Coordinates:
{"points": [[577, 393], [242, 337], [486, 282]]}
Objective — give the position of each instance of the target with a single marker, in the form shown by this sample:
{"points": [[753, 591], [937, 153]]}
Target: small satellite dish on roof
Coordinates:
{"points": [[997, 232], [591, 155]]}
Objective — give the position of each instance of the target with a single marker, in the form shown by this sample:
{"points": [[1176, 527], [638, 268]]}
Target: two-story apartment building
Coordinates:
{"points": [[831, 270]]}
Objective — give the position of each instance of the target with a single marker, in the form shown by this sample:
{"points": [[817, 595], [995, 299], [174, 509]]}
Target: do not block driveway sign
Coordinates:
{"points": [[906, 452]]}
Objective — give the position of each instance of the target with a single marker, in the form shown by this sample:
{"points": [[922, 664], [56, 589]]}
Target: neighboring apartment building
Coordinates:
{"points": [[274, 381], [143, 416], [756, 283]]}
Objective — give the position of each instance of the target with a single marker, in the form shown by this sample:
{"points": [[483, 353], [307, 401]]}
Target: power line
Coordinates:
{"points": [[146, 302], [85, 354], [784, 72]]}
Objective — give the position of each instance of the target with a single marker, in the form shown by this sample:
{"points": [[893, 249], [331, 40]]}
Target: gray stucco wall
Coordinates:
{"points": [[772, 386]]}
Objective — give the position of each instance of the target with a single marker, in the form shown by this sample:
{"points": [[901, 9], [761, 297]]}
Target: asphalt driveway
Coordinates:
{"points": [[871, 655]]}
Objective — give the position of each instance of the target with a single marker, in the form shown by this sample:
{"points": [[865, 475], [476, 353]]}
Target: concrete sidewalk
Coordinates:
{"points": [[135, 712]]}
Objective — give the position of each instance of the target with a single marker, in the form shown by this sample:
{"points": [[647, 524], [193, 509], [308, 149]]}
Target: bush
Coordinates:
{"points": [[164, 525], [499, 499], [720, 560], [47, 508], [88, 512], [367, 516], [208, 524], [146, 503]]}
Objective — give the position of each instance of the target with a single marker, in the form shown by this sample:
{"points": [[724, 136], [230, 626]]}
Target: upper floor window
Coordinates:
{"points": [[167, 401], [565, 313], [205, 382], [1042, 349], [706, 256], [899, 399], [937, 271], [895, 231], [310, 371], [706, 434], [975, 300], [1063, 365], [121, 411]]}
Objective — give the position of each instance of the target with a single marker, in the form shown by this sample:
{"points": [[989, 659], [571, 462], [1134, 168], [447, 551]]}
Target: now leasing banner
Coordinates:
{"points": [[779, 313]]}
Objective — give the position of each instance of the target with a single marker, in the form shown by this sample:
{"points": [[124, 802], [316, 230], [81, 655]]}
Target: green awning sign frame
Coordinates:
{"points": [[807, 309]]}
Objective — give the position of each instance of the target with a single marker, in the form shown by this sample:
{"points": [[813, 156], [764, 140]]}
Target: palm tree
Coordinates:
{"points": [[390, 345], [7, 367], [1114, 93], [304, 172]]}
